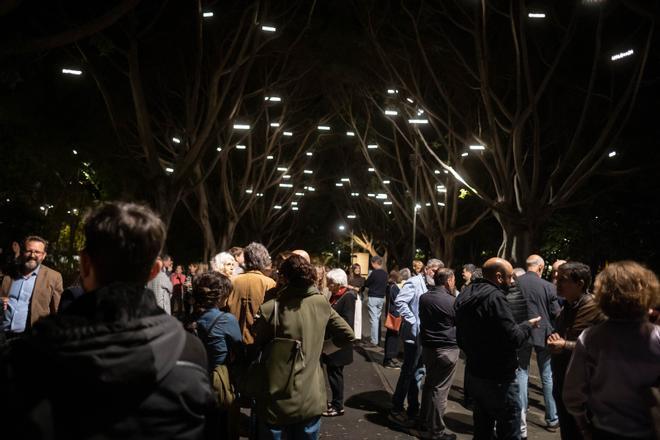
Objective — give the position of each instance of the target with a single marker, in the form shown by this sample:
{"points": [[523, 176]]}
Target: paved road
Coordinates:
{"points": [[368, 392]]}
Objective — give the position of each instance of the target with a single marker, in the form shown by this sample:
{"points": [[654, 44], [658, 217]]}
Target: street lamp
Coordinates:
{"points": [[414, 248]]}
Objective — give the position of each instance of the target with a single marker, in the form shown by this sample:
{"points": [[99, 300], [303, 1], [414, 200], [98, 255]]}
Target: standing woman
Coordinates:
{"points": [[290, 406], [342, 299], [222, 338], [394, 284], [355, 279], [615, 364], [225, 263]]}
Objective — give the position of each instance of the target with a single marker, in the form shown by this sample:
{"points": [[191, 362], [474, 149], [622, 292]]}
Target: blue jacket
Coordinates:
{"points": [[220, 340], [407, 305]]}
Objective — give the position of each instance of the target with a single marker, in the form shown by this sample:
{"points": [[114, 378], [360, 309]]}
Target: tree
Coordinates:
{"points": [[540, 100], [404, 177], [184, 98]]}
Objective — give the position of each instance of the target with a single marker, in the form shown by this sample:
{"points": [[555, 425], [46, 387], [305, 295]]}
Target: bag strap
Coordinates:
{"points": [[213, 323], [276, 318]]}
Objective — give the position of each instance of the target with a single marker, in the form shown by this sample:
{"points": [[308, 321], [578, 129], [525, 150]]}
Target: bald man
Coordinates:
{"points": [[541, 297], [488, 334], [303, 254]]}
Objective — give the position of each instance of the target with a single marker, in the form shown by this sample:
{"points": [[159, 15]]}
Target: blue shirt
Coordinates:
{"points": [[18, 308], [220, 339]]}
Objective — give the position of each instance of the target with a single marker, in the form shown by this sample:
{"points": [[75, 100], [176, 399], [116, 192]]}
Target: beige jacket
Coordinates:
{"points": [[244, 301], [45, 296]]}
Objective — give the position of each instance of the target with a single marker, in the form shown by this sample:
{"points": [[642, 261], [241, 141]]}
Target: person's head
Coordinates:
{"points": [[478, 273], [168, 263], [210, 290], [432, 266], [302, 253], [555, 270], [179, 269], [122, 241], [445, 277], [377, 262], [15, 248], [256, 257], [535, 264], [224, 263], [498, 271], [468, 270], [34, 252], [573, 279], [336, 279], [417, 266], [297, 271], [192, 268], [405, 274], [626, 290], [518, 272], [395, 277], [237, 253], [356, 269]]}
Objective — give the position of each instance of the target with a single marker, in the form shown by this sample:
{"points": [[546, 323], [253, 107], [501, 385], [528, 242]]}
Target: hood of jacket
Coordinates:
{"points": [[476, 294], [134, 347]]}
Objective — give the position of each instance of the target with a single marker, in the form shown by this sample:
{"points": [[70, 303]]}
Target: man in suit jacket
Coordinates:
{"points": [[541, 297], [32, 293]]}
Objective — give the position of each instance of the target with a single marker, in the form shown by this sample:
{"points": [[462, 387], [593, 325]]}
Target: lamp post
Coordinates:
{"points": [[414, 231]]}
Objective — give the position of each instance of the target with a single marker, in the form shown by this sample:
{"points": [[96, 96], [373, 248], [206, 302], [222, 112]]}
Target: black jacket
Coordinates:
{"points": [[541, 297], [345, 307], [518, 304], [111, 366], [437, 317], [487, 332]]}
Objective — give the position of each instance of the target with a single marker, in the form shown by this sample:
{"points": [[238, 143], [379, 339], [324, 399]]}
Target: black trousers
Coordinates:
{"points": [[336, 380], [391, 345]]}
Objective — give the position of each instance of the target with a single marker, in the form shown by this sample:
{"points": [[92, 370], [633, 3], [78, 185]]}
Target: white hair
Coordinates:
{"points": [[337, 276], [221, 259], [534, 261]]}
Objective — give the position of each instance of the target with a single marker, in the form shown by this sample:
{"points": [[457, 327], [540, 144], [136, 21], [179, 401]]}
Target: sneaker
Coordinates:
{"points": [[400, 419], [333, 412], [552, 427], [392, 364]]}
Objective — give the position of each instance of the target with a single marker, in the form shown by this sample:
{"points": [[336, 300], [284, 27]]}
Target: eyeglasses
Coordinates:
{"points": [[31, 252]]}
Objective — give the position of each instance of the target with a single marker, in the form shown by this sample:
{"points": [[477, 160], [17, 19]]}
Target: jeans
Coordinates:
{"points": [[495, 406], [545, 370], [375, 305], [410, 379], [440, 366], [307, 430]]}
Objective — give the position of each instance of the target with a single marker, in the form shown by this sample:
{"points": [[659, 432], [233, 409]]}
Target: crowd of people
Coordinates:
{"points": [[138, 348]]}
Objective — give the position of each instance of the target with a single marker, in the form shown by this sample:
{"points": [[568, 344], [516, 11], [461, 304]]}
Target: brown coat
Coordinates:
{"points": [[246, 298], [45, 296]]}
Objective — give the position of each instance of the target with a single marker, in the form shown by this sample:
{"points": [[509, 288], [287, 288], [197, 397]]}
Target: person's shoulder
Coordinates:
{"points": [[49, 272]]}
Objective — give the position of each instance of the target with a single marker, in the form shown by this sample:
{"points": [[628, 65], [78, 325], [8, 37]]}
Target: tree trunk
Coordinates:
{"points": [[227, 236], [519, 239]]}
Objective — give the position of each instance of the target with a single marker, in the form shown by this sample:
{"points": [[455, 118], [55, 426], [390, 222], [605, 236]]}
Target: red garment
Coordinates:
{"points": [[335, 296], [177, 279]]}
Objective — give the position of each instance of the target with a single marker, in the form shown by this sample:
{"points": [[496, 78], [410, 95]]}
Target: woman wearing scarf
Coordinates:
{"points": [[342, 299]]}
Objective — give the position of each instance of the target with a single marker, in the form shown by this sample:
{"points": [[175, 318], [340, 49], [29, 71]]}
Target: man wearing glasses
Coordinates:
{"points": [[32, 293]]}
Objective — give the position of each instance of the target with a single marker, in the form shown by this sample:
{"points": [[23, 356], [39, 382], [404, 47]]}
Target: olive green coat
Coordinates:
{"points": [[304, 315]]}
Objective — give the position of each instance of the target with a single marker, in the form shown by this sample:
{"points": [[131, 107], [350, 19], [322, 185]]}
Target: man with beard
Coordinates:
{"points": [[113, 364], [32, 293], [488, 334]]}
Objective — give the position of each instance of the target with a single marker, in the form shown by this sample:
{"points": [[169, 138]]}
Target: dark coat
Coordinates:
{"points": [[113, 365], [487, 332], [541, 297], [518, 304], [345, 307]]}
